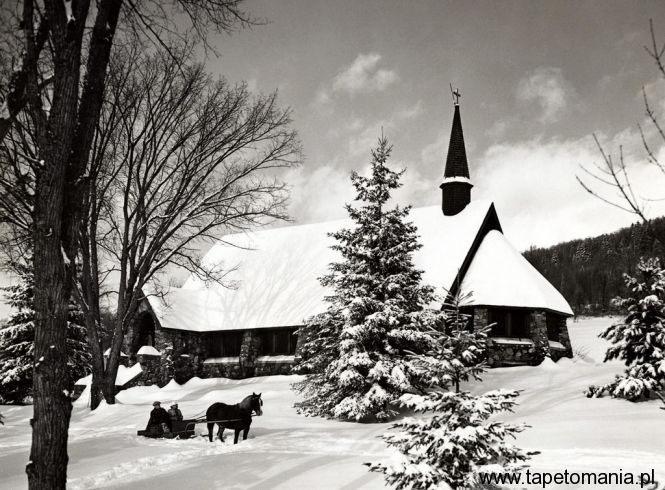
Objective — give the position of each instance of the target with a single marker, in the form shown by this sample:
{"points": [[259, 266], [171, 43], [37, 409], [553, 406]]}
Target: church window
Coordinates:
{"points": [[224, 344], [278, 342]]}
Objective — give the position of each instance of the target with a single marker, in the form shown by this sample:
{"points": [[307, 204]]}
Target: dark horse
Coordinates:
{"points": [[237, 417]]}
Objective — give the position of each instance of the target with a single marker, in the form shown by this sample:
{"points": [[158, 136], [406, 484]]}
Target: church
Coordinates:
{"points": [[247, 327]]}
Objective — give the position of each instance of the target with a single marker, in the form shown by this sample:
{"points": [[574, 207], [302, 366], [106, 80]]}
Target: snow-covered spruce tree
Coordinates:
{"points": [[456, 444], [464, 347], [359, 350], [639, 340], [17, 343], [459, 352], [320, 345]]}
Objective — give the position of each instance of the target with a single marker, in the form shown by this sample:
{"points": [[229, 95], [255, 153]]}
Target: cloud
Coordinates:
{"points": [[547, 87], [538, 199], [319, 192], [362, 140], [319, 195], [363, 76]]}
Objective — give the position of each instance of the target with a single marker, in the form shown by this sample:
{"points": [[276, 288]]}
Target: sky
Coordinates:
{"points": [[538, 79]]}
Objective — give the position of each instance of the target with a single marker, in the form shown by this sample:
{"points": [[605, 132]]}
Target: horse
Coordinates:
{"points": [[237, 417]]}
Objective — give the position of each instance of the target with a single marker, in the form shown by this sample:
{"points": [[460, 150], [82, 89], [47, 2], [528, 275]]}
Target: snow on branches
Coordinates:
{"points": [[360, 352], [638, 340], [17, 342], [454, 446]]}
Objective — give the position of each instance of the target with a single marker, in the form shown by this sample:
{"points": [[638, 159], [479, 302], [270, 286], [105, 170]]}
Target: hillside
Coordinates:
{"points": [[588, 272]]}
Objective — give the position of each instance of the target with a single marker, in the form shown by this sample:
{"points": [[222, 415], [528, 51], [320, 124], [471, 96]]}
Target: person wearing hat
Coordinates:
{"points": [[175, 414], [159, 418]]}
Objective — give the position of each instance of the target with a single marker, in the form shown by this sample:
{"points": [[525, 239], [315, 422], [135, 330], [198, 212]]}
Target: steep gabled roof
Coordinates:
{"points": [[277, 271], [500, 276]]}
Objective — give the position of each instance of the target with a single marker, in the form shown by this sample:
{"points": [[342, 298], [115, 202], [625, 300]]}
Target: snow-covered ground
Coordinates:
{"points": [[286, 450]]}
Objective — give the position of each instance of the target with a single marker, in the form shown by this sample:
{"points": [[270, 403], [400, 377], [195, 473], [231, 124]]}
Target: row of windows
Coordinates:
{"points": [[515, 323], [272, 342]]}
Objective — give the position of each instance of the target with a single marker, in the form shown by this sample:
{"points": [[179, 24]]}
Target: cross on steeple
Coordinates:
{"points": [[456, 94]]}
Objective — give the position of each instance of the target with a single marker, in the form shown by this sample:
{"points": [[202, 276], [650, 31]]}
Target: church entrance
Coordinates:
{"points": [[145, 331]]}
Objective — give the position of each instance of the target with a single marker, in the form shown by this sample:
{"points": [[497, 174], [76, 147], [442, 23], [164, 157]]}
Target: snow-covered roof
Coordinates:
{"points": [[148, 350], [108, 352], [500, 276], [276, 272], [124, 376]]}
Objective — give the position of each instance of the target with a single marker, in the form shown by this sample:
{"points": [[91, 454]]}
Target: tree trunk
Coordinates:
{"points": [[109, 390], [52, 407], [53, 252], [97, 382]]}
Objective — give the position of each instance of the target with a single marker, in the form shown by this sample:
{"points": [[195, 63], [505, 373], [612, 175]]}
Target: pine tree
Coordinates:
{"points": [[639, 340], [459, 353], [454, 446], [360, 347], [320, 343], [458, 443], [17, 343]]}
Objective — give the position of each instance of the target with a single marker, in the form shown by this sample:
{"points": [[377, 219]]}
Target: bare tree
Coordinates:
{"points": [[178, 158], [610, 180], [65, 47]]}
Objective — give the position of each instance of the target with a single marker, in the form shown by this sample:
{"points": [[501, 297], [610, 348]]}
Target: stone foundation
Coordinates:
{"points": [[511, 352], [222, 368], [527, 351], [272, 365]]}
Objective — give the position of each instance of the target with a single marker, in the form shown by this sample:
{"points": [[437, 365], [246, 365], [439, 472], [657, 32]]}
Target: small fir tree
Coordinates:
{"points": [[456, 445], [459, 352], [17, 343], [639, 340], [359, 349]]}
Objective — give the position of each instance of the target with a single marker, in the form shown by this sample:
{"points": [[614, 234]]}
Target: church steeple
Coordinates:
{"points": [[456, 185]]}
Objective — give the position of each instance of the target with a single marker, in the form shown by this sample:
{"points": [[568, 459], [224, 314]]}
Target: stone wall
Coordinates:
{"points": [[511, 352], [531, 351], [227, 369], [480, 318], [250, 347], [183, 354], [274, 366], [538, 332]]}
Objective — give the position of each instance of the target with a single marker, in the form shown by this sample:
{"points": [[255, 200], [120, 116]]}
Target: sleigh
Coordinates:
{"points": [[182, 429]]}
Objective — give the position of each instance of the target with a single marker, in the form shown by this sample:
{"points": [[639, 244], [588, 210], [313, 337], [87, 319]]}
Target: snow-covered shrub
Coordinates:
{"points": [[638, 340], [456, 444], [360, 351], [17, 343]]}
